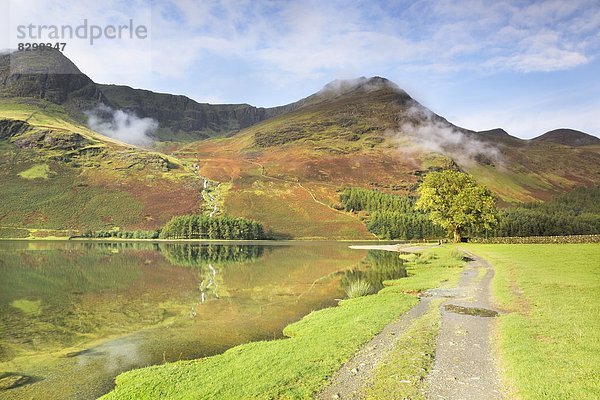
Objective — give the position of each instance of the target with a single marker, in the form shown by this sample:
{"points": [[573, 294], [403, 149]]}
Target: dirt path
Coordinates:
{"points": [[464, 366], [350, 381]]}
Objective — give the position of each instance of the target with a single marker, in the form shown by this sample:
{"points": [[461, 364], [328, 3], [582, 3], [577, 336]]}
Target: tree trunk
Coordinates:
{"points": [[457, 237]]}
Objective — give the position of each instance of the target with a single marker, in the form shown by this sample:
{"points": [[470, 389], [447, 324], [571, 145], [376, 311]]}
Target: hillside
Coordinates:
{"points": [[57, 174], [183, 119], [286, 171], [51, 76]]}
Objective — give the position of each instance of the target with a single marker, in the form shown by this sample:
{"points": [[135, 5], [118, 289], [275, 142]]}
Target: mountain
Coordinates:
{"points": [[282, 166], [58, 174], [498, 133], [286, 171], [568, 137], [51, 76], [181, 118]]}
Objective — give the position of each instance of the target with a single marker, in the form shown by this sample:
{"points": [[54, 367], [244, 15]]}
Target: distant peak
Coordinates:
{"points": [[341, 86], [498, 132], [568, 137], [48, 61]]}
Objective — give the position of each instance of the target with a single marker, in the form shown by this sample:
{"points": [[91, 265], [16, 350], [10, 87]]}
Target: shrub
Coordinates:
{"points": [[457, 254], [358, 288], [425, 258]]}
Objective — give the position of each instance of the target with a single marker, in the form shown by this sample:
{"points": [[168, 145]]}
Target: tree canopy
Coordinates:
{"points": [[456, 202], [202, 227], [389, 216]]}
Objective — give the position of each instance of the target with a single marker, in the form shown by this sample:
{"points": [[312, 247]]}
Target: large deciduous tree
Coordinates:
{"points": [[456, 202]]}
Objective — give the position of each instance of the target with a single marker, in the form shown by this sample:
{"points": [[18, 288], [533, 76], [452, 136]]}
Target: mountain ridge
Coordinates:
{"points": [[28, 74], [282, 166], [568, 137]]}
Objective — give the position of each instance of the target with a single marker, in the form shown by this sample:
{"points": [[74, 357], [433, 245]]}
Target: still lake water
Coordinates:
{"points": [[73, 315]]}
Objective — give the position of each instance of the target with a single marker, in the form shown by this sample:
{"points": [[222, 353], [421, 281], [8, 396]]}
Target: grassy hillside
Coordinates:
{"points": [[533, 171], [58, 174]]}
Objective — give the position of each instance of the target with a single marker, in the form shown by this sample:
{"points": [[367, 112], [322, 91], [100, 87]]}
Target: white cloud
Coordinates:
{"points": [[122, 125], [430, 133]]}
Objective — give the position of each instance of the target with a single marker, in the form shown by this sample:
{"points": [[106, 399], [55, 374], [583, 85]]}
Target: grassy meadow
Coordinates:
{"points": [[548, 337]]}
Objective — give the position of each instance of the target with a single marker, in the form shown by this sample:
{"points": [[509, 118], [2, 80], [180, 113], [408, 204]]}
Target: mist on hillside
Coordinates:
{"points": [[433, 134], [122, 125]]}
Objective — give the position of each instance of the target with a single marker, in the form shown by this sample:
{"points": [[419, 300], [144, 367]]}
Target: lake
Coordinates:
{"points": [[76, 314]]}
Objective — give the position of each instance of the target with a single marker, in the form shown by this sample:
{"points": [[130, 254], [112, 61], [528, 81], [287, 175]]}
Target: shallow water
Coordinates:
{"points": [[73, 315]]}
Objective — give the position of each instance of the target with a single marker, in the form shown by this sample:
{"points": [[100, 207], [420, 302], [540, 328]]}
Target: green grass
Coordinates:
{"points": [[29, 307], [549, 339], [63, 201], [292, 368], [434, 267], [38, 171], [401, 374]]}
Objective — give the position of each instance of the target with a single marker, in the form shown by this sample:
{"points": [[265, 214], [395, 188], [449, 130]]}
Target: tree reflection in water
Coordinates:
{"points": [[209, 260], [379, 266]]}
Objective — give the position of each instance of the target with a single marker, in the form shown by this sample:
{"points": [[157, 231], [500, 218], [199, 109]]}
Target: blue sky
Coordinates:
{"points": [[525, 66]]}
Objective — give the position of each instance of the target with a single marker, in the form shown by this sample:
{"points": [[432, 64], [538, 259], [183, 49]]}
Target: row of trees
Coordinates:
{"points": [[202, 227], [122, 234], [574, 213], [399, 225], [357, 199], [390, 216], [196, 255]]}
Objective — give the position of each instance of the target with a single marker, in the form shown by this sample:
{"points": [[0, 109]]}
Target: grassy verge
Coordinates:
{"points": [[549, 340], [401, 374], [435, 267], [292, 368]]}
